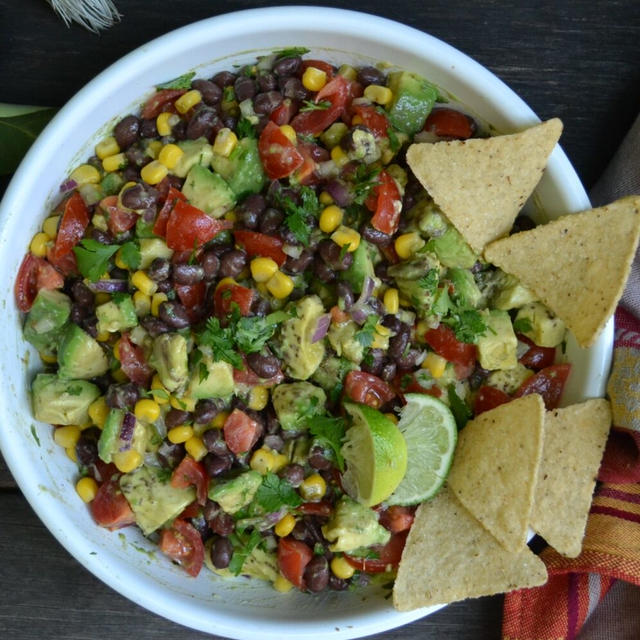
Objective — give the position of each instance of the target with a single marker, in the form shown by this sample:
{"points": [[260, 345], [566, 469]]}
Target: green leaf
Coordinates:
{"points": [[93, 258], [130, 255], [458, 406], [429, 282], [468, 324], [245, 129], [243, 545], [252, 333], [181, 82], [275, 493], [220, 340], [310, 105], [329, 431], [296, 215], [291, 52], [523, 325], [366, 333], [18, 130]]}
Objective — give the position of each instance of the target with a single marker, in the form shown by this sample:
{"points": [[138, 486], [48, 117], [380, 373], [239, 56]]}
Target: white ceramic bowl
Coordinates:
{"points": [[237, 609]]}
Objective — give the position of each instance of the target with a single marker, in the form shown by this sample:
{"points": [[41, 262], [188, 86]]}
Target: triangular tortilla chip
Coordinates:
{"points": [[481, 184], [577, 264], [495, 468], [449, 556], [574, 441]]}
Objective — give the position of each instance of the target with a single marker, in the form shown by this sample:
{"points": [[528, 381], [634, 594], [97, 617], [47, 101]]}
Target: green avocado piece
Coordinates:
{"points": [[80, 355], [46, 320], [330, 374], [425, 216], [152, 498], [242, 169], [152, 248], [511, 294], [211, 379], [237, 493], [169, 358], [342, 337], [497, 348], [361, 267], [466, 292], [208, 191], [410, 275], [413, 99], [116, 315], [111, 183], [295, 402], [110, 441], [195, 152], [62, 402], [509, 380], [541, 326], [452, 250]]}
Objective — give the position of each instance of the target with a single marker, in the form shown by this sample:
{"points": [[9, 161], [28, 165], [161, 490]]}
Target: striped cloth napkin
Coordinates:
{"points": [[596, 596]]}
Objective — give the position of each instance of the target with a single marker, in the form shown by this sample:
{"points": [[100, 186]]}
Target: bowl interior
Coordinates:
{"points": [[125, 560]]}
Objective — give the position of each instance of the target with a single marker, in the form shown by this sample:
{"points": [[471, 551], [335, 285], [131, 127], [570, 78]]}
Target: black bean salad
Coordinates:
{"points": [[239, 263]]}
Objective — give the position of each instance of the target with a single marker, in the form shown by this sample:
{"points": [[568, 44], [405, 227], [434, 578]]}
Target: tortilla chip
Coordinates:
{"points": [[449, 556], [495, 468], [577, 265], [574, 441], [481, 184]]}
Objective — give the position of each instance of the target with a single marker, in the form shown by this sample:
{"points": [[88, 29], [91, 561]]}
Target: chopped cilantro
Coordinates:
{"points": [[523, 325], [130, 255], [93, 257], [291, 52], [245, 128], [366, 333], [365, 179], [394, 142], [296, 214], [35, 434], [429, 282], [468, 324], [220, 340], [243, 545], [275, 493], [459, 407], [252, 333], [163, 475], [310, 105], [181, 82], [330, 432]]}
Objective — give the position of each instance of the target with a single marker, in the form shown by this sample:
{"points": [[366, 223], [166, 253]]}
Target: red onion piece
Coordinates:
{"points": [[108, 286], [322, 326], [359, 311], [340, 193], [126, 431], [68, 185]]}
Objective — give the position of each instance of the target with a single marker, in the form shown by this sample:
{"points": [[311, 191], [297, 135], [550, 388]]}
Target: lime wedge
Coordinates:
{"points": [[430, 432], [375, 453]]}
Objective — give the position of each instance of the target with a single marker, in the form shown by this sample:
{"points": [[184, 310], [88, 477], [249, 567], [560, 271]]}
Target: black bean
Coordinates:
{"points": [[294, 89], [188, 273], [318, 458], [250, 210], [299, 264], [82, 294], [137, 156], [345, 292], [370, 75], [260, 306], [392, 322], [216, 465], [118, 274], [201, 124], [174, 315], [140, 197], [176, 417], [224, 79], [330, 252], [77, 314], [388, 371], [477, 377], [274, 442], [271, 220], [229, 121], [323, 271], [130, 173], [380, 271], [148, 128], [126, 131], [408, 360], [288, 236], [222, 524], [373, 362], [293, 474], [206, 411], [214, 442], [221, 552], [337, 584], [371, 234], [170, 454], [244, 88], [376, 305], [210, 510], [87, 449], [159, 269], [232, 263], [103, 237], [153, 325], [122, 396], [267, 81], [164, 286], [265, 366], [316, 574], [399, 342], [267, 102], [288, 66], [211, 93], [210, 265]]}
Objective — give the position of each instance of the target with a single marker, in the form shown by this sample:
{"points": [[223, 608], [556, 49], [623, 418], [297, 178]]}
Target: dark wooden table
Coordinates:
{"points": [[576, 59]]}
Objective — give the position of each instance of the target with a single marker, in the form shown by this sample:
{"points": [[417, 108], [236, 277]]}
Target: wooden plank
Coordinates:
{"points": [[6, 479]]}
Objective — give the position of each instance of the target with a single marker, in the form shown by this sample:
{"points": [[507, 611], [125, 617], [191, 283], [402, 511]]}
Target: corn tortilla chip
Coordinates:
{"points": [[574, 441], [481, 184], [495, 468], [449, 556], [577, 264]]}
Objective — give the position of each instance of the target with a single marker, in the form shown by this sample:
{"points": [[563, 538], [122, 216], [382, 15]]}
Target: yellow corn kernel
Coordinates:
{"points": [[195, 448], [381, 337], [280, 285], [50, 226], [147, 410], [127, 461], [48, 359], [67, 436], [325, 198], [339, 156], [314, 79], [165, 122], [378, 94], [225, 142], [346, 237], [184, 403], [115, 162], [313, 488], [98, 411], [180, 434], [116, 349], [263, 269], [220, 419], [107, 147], [103, 336], [435, 363], [119, 262], [280, 461], [341, 568], [330, 218], [356, 120], [188, 100], [153, 148], [156, 300], [231, 216], [142, 282], [38, 246], [119, 375], [421, 329], [142, 304], [169, 155], [161, 396], [102, 297], [153, 172], [262, 460], [392, 416], [407, 244], [289, 132], [391, 300], [72, 454], [87, 488], [85, 174], [348, 72], [258, 398], [284, 526], [282, 585]]}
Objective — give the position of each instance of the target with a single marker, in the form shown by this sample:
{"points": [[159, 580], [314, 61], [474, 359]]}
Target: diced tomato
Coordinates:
{"points": [[189, 227], [34, 274], [191, 295], [173, 196], [536, 357], [443, 341], [246, 378], [323, 509], [319, 64], [388, 204], [278, 154], [306, 173], [260, 244], [191, 511], [368, 389], [315, 121], [409, 383], [448, 123], [110, 508], [389, 555], [397, 518], [161, 101], [375, 121], [75, 220], [229, 293], [548, 382], [283, 113], [133, 362], [118, 220], [489, 398], [338, 316], [240, 431], [191, 473], [293, 558], [183, 544]]}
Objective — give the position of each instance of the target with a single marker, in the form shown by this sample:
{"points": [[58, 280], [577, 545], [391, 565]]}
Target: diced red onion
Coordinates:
{"points": [[340, 193], [358, 315], [359, 311], [322, 326], [292, 250], [68, 185], [108, 286], [126, 431]]}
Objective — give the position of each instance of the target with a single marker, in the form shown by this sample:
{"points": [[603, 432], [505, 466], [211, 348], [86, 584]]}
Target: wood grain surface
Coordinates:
{"points": [[576, 59]]}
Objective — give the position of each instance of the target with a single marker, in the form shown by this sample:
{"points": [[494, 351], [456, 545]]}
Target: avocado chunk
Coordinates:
{"points": [[364, 147], [237, 493], [242, 169], [540, 325], [208, 191], [46, 320], [295, 402], [59, 401], [152, 248], [80, 355], [413, 99], [342, 337], [361, 268], [211, 379], [511, 294], [330, 374], [170, 360], [195, 152], [118, 314], [111, 439], [425, 216], [465, 290], [301, 356], [497, 348], [258, 564], [417, 280], [354, 526], [452, 250], [152, 498], [509, 380]]}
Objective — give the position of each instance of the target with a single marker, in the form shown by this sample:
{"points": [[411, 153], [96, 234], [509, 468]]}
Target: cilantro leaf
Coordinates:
{"points": [[93, 257], [296, 214], [220, 340], [329, 431], [243, 545], [181, 82], [252, 333], [310, 105], [366, 333], [459, 408], [523, 325], [394, 142], [429, 282], [468, 324], [130, 255], [365, 179], [291, 52], [245, 129], [275, 493]]}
